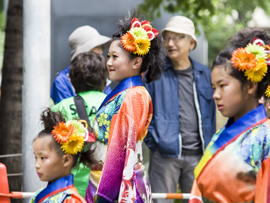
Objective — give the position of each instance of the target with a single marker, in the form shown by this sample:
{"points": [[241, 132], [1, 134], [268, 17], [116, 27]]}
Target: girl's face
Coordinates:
{"points": [[230, 98], [49, 165], [119, 65]]}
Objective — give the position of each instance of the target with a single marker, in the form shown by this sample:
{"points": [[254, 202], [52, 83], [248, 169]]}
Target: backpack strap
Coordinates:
{"points": [[81, 109]]}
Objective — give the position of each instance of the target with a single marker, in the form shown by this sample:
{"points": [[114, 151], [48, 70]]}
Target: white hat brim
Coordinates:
{"points": [[92, 43]]}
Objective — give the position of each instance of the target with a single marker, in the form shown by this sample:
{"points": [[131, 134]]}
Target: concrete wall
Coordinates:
{"points": [[67, 15]]}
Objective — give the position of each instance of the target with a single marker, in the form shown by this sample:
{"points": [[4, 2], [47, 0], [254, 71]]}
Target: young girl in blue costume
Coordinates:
{"points": [[122, 119], [57, 149], [236, 164]]}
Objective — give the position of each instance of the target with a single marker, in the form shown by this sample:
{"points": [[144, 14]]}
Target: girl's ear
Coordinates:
{"points": [[67, 160], [252, 87], [137, 62]]}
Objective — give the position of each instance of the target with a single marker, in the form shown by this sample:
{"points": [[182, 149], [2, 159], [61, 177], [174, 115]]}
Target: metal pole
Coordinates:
{"points": [[36, 81], [20, 195]]}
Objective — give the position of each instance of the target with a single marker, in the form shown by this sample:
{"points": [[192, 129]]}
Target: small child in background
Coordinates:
{"points": [[57, 149], [88, 74]]}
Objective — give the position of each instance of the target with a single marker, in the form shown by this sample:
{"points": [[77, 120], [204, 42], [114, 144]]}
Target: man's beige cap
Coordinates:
{"points": [[181, 25]]}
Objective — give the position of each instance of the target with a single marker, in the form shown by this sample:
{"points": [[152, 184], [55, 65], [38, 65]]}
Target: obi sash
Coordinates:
{"points": [[125, 84], [231, 132], [55, 187]]}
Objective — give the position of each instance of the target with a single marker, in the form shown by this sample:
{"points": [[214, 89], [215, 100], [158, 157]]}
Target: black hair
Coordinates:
{"points": [[88, 72], [241, 40], [50, 119], [152, 62]]}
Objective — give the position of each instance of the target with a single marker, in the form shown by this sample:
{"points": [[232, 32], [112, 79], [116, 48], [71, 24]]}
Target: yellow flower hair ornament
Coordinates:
{"points": [[253, 60], [138, 39], [267, 92], [72, 135], [267, 50]]}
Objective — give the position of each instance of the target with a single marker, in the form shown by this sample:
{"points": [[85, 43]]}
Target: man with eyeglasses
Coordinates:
{"points": [[184, 115]]}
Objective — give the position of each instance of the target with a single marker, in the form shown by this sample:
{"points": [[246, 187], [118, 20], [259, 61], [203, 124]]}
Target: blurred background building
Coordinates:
{"points": [[67, 15]]}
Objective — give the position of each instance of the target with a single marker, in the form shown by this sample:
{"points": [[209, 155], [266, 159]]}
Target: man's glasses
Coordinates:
{"points": [[175, 39]]}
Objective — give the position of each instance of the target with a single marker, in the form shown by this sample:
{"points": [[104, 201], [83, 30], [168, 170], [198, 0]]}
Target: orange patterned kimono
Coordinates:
{"points": [[121, 125], [236, 163]]}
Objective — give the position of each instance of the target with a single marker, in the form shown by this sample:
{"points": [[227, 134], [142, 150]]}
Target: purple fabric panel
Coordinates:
{"points": [[111, 179], [140, 185], [139, 174], [138, 196], [90, 193], [112, 172]]}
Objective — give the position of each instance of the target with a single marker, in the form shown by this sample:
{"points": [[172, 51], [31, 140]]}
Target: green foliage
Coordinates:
{"points": [[220, 19]]}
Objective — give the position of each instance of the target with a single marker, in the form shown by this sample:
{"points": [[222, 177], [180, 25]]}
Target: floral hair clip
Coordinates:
{"points": [[137, 39], [72, 135], [253, 60], [267, 50]]}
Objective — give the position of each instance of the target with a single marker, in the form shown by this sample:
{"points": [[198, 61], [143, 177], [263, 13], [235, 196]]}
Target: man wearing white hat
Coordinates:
{"points": [[83, 39], [184, 116]]}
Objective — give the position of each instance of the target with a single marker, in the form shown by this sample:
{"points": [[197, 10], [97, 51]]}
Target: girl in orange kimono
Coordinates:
{"points": [[236, 163], [122, 119], [57, 149]]}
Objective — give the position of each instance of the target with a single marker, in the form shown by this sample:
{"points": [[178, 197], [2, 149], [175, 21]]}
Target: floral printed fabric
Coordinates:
{"points": [[104, 117], [255, 146], [59, 197]]}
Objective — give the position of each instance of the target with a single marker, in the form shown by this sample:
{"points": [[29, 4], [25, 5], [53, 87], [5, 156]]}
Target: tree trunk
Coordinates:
{"points": [[11, 95]]}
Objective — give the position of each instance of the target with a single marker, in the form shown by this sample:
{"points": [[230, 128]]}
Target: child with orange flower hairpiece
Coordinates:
{"points": [[57, 149], [235, 166]]}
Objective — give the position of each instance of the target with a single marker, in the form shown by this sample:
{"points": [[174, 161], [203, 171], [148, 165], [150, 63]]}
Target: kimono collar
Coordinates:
{"points": [[248, 121], [125, 84], [231, 132], [55, 187]]}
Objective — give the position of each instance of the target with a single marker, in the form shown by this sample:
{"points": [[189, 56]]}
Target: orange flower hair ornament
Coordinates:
{"points": [[138, 39], [253, 60], [72, 135]]}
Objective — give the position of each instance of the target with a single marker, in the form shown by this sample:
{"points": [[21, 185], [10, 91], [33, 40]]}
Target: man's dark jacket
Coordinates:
{"points": [[163, 131]]}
